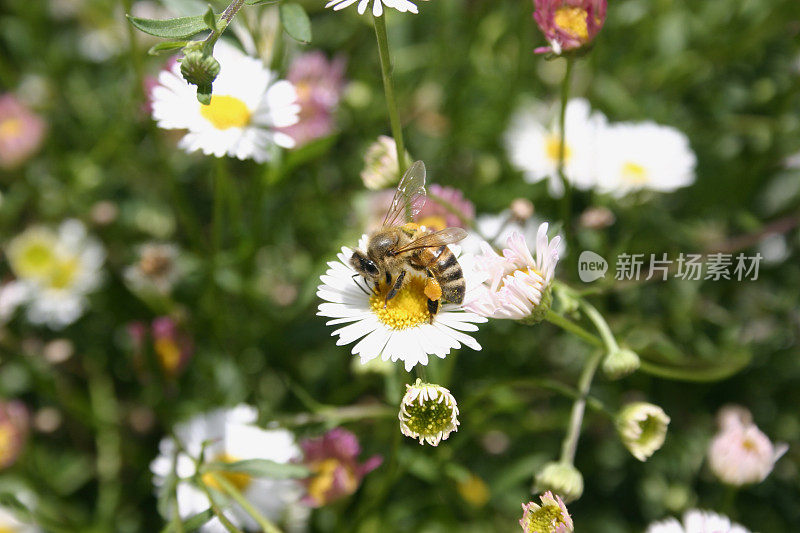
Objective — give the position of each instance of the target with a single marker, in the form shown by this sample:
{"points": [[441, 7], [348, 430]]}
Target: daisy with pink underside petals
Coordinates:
{"points": [[377, 5], [518, 285], [568, 24], [551, 516]]}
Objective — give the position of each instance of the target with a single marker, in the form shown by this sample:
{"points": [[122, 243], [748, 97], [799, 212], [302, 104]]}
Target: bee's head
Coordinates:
{"points": [[365, 266]]}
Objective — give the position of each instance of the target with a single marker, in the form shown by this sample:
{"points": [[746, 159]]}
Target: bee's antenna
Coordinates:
{"points": [[359, 285]]}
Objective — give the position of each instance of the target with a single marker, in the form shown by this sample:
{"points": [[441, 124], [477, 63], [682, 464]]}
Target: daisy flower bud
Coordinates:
{"points": [[380, 164], [740, 453], [568, 24], [428, 412], [199, 68], [13, 432], [517, 286], [643, 428], [620, 363], [549, 517], [560, 478]]}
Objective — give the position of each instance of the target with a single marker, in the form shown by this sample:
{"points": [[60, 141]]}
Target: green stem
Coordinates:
{"points": [[570, 326], [217, 511], [388, 87], [238, 497], [570, 444], [338, 415], [108, 441], [566, 201], [602, 326]]}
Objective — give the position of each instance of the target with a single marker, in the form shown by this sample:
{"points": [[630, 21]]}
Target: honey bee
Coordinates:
{"points": [[402, 249]]}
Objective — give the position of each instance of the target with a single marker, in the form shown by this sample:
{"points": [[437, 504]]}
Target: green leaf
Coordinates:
{"points": [[296, 22], [166, 46], [696, 372], [192, 523], [210, 19], [260, 2], [177, 28], [262, 468]]}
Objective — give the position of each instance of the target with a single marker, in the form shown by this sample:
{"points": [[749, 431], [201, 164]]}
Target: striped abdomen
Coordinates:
{"points": [[444, 267]]}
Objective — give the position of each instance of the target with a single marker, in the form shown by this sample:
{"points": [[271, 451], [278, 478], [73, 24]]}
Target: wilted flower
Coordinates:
{"points": [[642, 428], [377, 5], [229, 435], [568, 24], [560, 478], [740, 453], [438, 211], [518, 287], [156, 269], [14, 424], [401, 329], [21, 132], [333, 459], [55, 271], [549, 517], [380, 164], [248, 106], [696, 521], [9, 522], [533, 142], [319, 84], [596, 218], [428, 412], [620, 362]]}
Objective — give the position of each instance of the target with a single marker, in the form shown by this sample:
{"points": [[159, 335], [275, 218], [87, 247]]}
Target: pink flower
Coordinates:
{"points": [[568, 24], [333, 458], [436, 215], [549, 517], [21, 132], [319, 84], [172, 347], [517, 284], [14, 422], [740, 453]]}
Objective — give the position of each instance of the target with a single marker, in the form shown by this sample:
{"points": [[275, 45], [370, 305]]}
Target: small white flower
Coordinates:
{"points": [[517, 283], [533, 143], [643, 156], [642, 427], [377, 5], [696, 521], [403, 330], [55, 272], [428, 412], [156, 269], [232, 437], [247, 106], [499, 227], [9, 522]]}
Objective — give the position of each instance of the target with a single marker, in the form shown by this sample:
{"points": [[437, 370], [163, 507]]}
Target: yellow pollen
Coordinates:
{"points": [[436, 222], [528, 271], [64, 273], [408, 308], [323, 481], [553, 147], [10, 128], [749, 445], [634, 173], [35, 260], [226, 112], [6, 445], [573, 21], [237, 479], [169, 354]]}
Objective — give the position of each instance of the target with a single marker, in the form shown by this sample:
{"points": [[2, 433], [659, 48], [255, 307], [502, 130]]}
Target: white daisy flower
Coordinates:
{"points": [[643, 156], [247, 107], [11, 524], [697, 521], [377, 5], [403, 330], [55, 271], [499, 227], [533, 143], [232, 437], [428, 412], [517, 284]]}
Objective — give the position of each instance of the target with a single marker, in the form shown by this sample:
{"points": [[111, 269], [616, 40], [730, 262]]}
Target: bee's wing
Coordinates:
{"points": [[409, 196], [436, 239]]}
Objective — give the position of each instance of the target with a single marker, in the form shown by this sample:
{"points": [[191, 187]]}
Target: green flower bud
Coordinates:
{"points": [[560, 478], [199, 69], [620, 363], [642, 427], [428, 412]]}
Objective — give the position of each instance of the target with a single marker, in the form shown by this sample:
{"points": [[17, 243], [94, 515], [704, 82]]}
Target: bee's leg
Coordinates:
{"points": [[433, 308], [396, 287], [359, 285]]}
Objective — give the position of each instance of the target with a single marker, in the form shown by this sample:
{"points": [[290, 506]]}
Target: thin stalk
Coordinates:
{"points": [[602, 326], [570, 443], [109, 460], [388, 88], [217, 511], [238, 497], [570, 326], [566, 200]]}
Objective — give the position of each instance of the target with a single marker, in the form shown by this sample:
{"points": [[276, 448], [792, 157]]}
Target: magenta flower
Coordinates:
{"points": [[319, 84], [21, 132], [14, 421], [435, 213], [333, 459], [172, 347], [568, 24]]}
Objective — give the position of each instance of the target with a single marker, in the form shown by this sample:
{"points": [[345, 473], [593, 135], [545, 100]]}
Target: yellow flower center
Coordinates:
{"points": [[553, 147], [226, 112], [436, 222], [34, 260], [6, 445], [573, 21], [7, 529], [169, 354], [237, 479], [747, 444], [634, 173], [9, 129], [323, 481], [474, 490], [64, 273], [408, 308]]}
